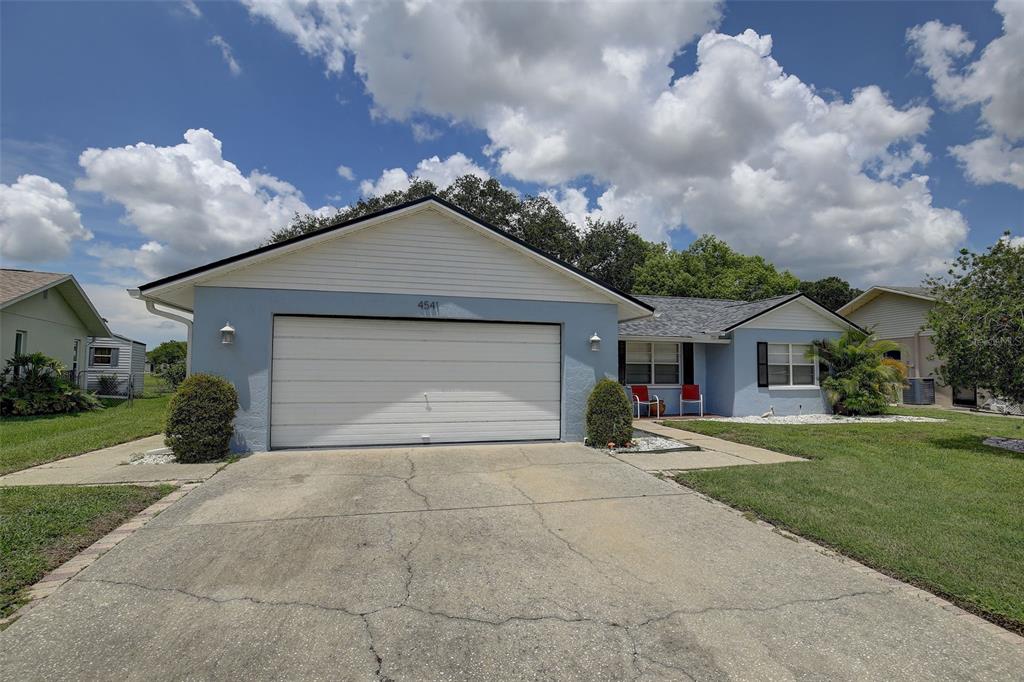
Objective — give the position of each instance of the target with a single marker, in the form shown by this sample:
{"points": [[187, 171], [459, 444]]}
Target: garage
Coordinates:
{"points": [[343, 381]]}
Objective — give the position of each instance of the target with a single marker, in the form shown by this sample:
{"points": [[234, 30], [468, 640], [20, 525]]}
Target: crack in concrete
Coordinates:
{"points": [[373, 649], [408, 480], [385, 512]]}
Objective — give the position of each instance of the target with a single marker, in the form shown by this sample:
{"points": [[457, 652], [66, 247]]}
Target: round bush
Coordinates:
{"points": [[200, 418], [609, 415]]}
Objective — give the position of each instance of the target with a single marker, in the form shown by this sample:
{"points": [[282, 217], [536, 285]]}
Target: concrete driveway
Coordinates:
{"points": [[499, 562]]}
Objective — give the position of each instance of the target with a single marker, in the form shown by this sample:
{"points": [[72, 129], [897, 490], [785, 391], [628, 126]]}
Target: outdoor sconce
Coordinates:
{"points": [[227, 334], [595, 342]]}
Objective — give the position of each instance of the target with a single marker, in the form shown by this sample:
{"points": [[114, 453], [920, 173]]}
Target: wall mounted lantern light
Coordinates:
{"points": [[227, 334], [595, 342]]}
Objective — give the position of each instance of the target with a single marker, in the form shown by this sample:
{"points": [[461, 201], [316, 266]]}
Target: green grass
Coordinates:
{"points": [[28, 441], [925, 502], [41, 527], [153, 386]]}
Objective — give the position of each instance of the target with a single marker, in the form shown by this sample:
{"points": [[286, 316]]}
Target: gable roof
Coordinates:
{"points": [[923, 293], [17, 285], [635, 307], [680, 317]]}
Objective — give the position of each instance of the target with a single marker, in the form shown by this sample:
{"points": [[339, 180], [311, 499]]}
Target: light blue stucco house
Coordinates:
{"points": [[423, 324], [748, 358]]}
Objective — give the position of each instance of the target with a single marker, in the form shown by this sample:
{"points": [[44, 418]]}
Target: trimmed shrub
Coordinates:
{"points": [[35, 384], [200, 418], [609, 415]]}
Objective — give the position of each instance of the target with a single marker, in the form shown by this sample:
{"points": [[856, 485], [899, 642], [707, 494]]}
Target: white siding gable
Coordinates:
{"points": [[893, 316], [797, 315], [424, 253]]}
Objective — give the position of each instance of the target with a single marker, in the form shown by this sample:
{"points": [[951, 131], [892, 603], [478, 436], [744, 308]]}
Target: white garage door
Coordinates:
{"points": [[350, 381]]}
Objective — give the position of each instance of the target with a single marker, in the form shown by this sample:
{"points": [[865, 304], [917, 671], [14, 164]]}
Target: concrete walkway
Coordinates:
{"points": [[110, 465], [713, 453]]}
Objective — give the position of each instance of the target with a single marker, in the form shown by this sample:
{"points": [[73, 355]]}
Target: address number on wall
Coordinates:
{"points": [[428, 306]]}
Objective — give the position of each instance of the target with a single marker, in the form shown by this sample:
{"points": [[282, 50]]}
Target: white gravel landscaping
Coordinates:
{"points": [[158, 456], [1012, 444], [650, 444], [825, 419]]}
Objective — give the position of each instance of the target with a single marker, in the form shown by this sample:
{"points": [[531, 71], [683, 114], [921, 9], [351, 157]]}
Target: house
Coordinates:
{"points": [[418, 324], [49, 313], [900, 314], [118, 361], [747, 357], [423, 324]]}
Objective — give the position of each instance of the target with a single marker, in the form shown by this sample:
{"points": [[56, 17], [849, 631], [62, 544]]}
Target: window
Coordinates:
{"points": [[101, 357], [788, 365], [20, 342], [652, 363]]}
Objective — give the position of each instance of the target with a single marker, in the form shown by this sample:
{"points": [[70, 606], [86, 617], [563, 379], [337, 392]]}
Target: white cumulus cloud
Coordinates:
{"points": [[995, 81], [345, 172], [438, 171], [568, 92], [187, 201], [38, 221]]}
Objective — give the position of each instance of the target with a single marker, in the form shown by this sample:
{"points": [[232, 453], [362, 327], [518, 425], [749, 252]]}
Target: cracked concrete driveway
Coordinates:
{"points": [[499, 562]]}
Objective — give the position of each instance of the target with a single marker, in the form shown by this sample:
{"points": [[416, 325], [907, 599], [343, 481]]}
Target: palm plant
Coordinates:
{"points": [[860, 378]]}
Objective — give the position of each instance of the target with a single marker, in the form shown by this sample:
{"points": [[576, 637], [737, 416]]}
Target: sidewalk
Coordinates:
{"points": [[713, 453], [109, 465]]}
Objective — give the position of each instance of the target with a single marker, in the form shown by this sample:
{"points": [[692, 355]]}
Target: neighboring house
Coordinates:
{"points": [[747, 357], [422, 324], [119, 357], [49, 313], [900, 314]]}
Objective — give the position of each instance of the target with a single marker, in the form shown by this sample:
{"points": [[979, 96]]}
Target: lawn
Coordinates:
{"points": [[28, 441], [154, 385], [925, 502], [41, 527]]}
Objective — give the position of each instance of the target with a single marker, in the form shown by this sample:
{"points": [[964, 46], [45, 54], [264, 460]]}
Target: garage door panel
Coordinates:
{"points": [[315, 392], [412, 412], [358, 381], [387, 434], [413, 371], [370, 329], [402, 349]]}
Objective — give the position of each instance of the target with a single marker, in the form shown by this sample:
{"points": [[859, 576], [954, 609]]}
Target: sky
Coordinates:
{"points": [[868, 140]]}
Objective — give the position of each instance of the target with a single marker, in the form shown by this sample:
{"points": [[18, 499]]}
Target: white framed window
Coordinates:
{"points": [[652, 363], [20, 342], [788, 365], [101, 357]]}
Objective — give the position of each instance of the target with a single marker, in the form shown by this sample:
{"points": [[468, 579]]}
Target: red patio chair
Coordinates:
{"points": [[690, 393], [641, 397]]}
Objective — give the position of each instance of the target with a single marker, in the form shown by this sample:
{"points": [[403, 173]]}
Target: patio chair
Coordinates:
{"points": [[690, 393], [642, 397]]}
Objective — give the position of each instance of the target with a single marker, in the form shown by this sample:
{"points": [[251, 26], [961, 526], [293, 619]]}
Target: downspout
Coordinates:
{"points": [[151, 307]]}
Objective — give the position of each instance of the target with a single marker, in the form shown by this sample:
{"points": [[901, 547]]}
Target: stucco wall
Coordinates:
{"points": [[720, 382], [751, 400], [51, 324], [246, 363]]}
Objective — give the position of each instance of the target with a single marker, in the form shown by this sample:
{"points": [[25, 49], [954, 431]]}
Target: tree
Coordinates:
{"points": [[860, 377], [710, 268], [978, 320], [167, 353], [832, 292], [611, 251]]}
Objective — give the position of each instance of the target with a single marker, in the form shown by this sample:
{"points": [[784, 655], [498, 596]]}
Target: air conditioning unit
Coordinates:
{"points": [[919, 392]]}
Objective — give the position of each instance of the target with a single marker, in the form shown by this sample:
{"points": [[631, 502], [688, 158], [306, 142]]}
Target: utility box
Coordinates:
{"points": [[919, 392]]}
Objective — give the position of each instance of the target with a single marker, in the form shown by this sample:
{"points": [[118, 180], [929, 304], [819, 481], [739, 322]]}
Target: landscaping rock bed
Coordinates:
{"points": [[651, 444], [1012, 444], [157, 456], [825, 419]]}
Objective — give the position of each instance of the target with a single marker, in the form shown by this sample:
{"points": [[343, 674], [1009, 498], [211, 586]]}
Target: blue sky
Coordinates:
{"points": [[540, 108]]}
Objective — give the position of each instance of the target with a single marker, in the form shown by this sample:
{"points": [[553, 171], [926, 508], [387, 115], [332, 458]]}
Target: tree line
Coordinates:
{"points": [[611, 251]]}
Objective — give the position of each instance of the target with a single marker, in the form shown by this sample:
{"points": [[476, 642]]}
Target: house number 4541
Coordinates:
{"points": [[428, 306]]}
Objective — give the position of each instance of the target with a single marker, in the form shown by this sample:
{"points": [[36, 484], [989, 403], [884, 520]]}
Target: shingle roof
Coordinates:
{"points": [[690, 317], [915, 291], [16, 283]]}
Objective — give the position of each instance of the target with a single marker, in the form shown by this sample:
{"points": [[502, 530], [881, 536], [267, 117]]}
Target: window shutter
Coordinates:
{"points": [[687, 363], [92, 354], [113, 356], [762, 364], [622, 362]]}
